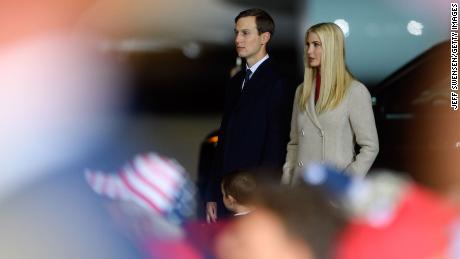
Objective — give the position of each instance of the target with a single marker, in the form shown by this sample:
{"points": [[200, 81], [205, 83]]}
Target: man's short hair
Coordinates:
{"points": [[264, 21], [240, 185]]}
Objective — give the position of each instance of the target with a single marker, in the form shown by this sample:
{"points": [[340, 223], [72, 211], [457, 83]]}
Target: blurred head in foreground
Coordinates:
{"points": [[59, 99], [287, 223], [59, 103]]}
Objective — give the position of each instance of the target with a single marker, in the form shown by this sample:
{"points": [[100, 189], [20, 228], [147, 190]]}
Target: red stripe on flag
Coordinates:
{"points": [[151, 184], [139, 194], [155, 168]]}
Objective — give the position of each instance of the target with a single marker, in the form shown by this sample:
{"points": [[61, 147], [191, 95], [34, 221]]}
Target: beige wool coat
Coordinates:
{"points": [[331, 136]]}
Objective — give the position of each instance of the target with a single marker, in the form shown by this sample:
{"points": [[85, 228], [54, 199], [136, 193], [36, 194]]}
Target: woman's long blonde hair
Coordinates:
{"points": [[335, 77]]}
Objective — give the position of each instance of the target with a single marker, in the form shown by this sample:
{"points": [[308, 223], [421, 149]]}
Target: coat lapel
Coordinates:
{"points": [[311, 111], [253, 84], [257, 77]]}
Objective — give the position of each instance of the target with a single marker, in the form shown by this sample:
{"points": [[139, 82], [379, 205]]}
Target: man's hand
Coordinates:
{"points": [[211, 212]]}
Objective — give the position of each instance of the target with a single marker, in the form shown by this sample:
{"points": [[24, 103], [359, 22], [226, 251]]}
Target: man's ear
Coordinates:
{"points": [[265, 37], [231, 199]]}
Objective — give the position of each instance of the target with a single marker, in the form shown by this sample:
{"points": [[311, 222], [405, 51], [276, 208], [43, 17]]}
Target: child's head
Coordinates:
{"points": [[237, 190]]}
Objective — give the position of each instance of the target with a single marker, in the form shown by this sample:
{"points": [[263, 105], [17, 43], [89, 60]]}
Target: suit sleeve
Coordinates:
{"points": [[213, 185], [363, 125], [291, 156]]}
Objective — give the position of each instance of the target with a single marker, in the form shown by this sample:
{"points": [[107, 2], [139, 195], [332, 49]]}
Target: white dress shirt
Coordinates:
{"points": [[254, 68]]}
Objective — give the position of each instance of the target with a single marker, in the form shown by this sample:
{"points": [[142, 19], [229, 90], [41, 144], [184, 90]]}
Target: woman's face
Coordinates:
{"points": [[314, 49]]}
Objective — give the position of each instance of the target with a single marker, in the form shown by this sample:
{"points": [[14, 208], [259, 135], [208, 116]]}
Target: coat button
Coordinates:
{"points": [[300, 164], [302, 132]]}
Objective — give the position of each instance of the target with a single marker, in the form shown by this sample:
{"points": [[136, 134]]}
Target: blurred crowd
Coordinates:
{"points": [[70, 187]]}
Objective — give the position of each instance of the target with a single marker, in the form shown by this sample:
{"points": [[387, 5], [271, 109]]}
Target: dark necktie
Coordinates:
{"points": [[247, 77]]}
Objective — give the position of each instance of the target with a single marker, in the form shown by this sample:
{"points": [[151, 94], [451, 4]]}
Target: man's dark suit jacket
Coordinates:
{"points": [[255, 126]]}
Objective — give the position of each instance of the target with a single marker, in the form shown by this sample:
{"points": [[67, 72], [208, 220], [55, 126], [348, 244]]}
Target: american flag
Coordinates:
{"points": [[154, 182]]}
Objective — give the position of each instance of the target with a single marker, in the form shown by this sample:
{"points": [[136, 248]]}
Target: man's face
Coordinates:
{"points": [[249, 43]]}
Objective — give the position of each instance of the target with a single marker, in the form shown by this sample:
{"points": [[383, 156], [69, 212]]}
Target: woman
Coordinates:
{"points": [[332, 111]]}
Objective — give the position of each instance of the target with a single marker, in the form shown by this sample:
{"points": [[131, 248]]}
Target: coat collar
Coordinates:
{"points": [[258, 75], [260, 67]]}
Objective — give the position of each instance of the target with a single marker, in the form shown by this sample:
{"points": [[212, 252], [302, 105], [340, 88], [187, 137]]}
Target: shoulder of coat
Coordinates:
{"points": [[358, 87]]}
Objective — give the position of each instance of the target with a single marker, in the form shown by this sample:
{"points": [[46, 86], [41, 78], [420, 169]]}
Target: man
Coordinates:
{"points": [[255, 125]]}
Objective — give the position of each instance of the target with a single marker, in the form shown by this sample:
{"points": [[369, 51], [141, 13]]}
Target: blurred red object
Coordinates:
{"points": [[422, 227], [199, 242]]}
